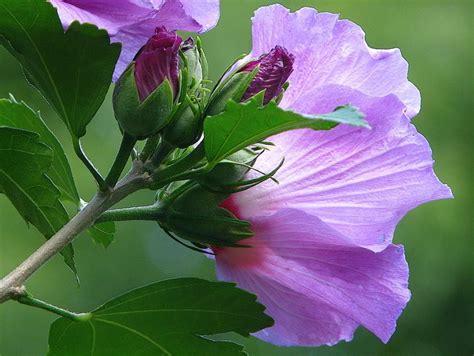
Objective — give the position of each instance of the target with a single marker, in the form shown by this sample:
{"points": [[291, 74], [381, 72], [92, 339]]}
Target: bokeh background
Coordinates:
{"points": [[436, 37]]}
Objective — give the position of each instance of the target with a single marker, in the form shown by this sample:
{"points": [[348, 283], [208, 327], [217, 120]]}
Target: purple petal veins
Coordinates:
{"points": [[132, 22], [331, 51], [322, 260], [157, 61], [317, 284]]}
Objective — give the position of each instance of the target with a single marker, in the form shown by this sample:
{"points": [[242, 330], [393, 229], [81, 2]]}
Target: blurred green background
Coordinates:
{"points": [[436, 37]]}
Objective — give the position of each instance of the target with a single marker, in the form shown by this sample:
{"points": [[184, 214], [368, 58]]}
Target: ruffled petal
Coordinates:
{"points": [[110, 15], [69, 13], [331, 51], [133, 22], [174, 15], [359, 181], [205, 12], [316, 284]]}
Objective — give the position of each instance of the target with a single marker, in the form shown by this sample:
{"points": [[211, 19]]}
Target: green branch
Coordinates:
{"points": [[144, 213]]}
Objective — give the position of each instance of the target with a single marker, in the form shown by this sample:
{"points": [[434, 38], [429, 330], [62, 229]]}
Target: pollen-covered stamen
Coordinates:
{"points": [[275, 69]]}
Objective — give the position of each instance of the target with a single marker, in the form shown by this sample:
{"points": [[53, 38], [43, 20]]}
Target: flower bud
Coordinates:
{"points": [[145, 94], [158, 61], [230, 171], [185, 127], [275, 68], [196, 210], [269, 73], [196, 63]]}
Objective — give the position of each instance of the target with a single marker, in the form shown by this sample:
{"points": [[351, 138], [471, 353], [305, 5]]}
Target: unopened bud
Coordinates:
{"points": [[269, 73], [158, 61], [145, 94], [274, 70]]}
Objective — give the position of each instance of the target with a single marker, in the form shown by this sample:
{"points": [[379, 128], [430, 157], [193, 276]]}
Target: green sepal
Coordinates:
{"points": [[203, 58], [233, 89], [229, 171], [196, 215], [125, 97], [185, 127], [193, 63], [142, 119], [157, 108]]}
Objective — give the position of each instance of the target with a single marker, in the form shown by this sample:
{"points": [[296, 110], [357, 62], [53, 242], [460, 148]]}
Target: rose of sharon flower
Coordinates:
{"points": [[132, 22], [322, 259]]}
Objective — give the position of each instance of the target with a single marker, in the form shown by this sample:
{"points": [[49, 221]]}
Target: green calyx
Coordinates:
{"points": [[194, 211], [142, 120], [194, 60], [230, 171], [231, 88], [195, 215], [186, 125]]}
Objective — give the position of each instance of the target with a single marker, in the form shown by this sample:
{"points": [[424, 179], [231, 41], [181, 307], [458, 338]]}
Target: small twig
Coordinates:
{"points": [[89, 165], [141, 213], [28, 299], [126, 147]]}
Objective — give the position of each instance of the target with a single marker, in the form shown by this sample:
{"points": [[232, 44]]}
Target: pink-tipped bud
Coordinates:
{"points": [[275, 69], [157, 61]]}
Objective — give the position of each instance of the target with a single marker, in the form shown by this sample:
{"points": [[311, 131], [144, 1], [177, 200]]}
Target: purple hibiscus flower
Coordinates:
{"points": [[132, 22], [322, 259]]}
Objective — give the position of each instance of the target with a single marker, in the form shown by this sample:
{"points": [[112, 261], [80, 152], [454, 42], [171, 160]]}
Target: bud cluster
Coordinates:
{"points": [[162, 96]]}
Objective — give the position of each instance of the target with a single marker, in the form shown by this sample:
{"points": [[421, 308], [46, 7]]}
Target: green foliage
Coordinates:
{"points": [[243, 124], [165, 318], [19, 115], [23, 167], [441, 277], [72, 70], [103, 233]]}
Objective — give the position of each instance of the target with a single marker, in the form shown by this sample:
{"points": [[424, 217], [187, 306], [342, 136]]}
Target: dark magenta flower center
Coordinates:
{"points": [[275, 69], [157, 61]]}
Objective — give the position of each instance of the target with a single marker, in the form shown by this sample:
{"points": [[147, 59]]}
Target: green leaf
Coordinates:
{"points": [[243, 124], [103, 233], [23, 166], [19, 115], [165, 318], [72, 70]]}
